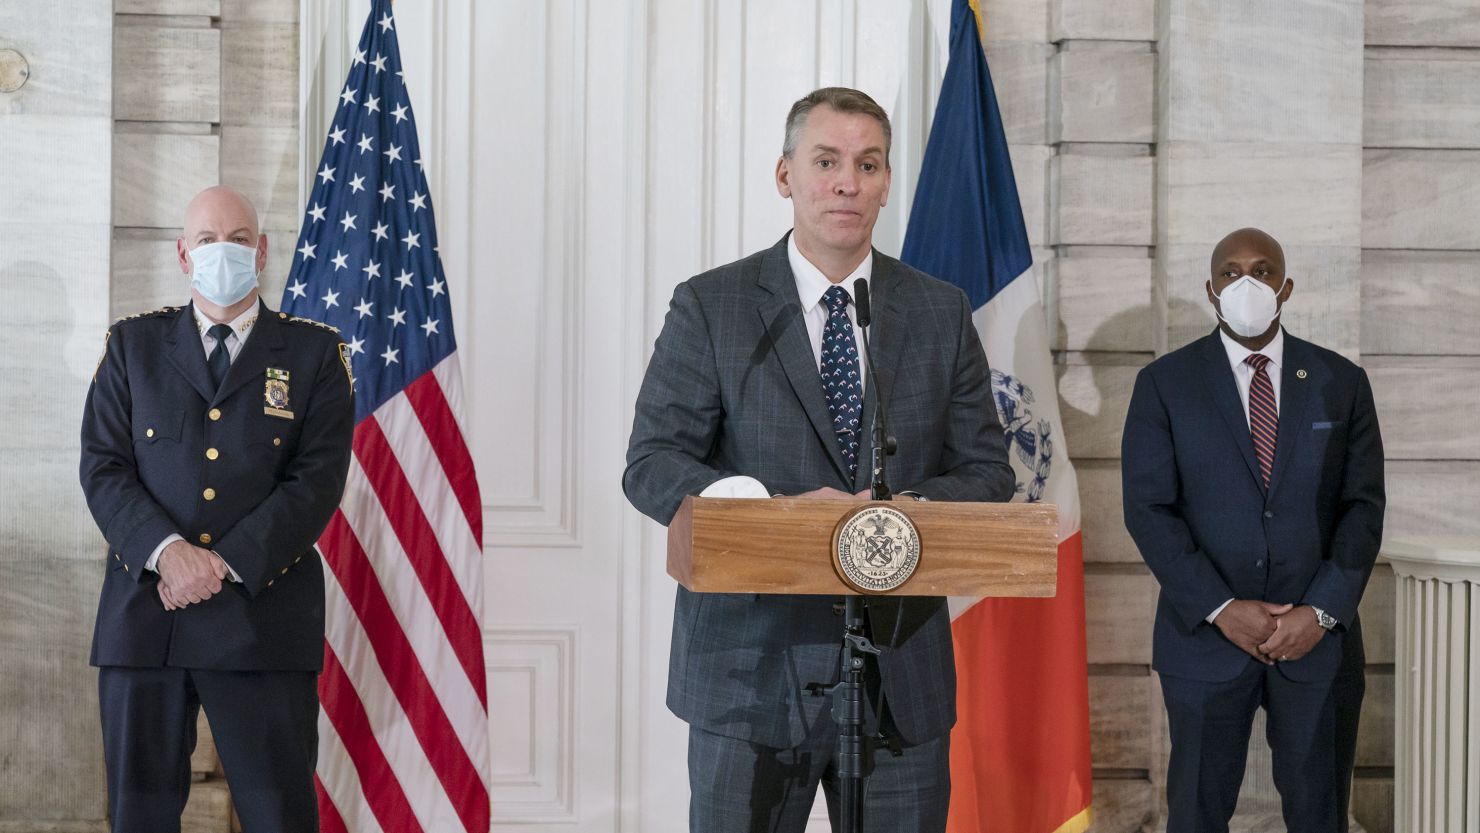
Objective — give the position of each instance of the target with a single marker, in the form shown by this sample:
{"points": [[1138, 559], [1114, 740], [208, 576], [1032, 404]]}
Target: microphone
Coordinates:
{"points": [[882, 445]]}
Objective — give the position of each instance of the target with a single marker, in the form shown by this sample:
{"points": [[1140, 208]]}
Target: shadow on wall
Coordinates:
{"points": [[52, 560]]}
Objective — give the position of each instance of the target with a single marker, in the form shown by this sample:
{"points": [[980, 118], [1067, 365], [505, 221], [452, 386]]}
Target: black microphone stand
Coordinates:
{"points": [[854, 749]]}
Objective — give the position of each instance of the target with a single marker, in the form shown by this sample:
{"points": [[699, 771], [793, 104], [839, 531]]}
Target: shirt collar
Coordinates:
{"points": [[812, 284], [240, 325], [1274, 350]]}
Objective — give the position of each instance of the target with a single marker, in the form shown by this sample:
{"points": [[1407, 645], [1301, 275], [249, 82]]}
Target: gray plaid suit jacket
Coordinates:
{"points": [[733, 389]]}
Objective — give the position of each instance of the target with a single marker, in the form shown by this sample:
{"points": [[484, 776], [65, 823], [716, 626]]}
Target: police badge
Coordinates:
{"points": [[275, 395], [876, 548]]}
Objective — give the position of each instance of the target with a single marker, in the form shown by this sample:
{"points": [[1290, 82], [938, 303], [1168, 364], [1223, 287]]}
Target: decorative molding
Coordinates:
{"points": [[549, 517], [537, 666]]}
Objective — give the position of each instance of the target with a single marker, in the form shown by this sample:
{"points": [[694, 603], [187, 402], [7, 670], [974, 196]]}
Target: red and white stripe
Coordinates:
{"points": [[404, 721]]}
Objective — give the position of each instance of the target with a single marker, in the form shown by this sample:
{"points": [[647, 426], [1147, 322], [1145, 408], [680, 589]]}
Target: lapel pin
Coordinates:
{"points": [[1301, 374]]}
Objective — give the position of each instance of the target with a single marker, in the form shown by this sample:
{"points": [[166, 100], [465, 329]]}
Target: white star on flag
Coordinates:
{"points": [[390, 356], [337, 137], [380, 231], [394, 154], [378, 63], [397, 318], [327, 174], [348, 96], [412, 240], [404, 279], [317, 212], [331, 299], [399, 113], [356, 346], [349, 221], [357, 184], [385, 23], [388, 192], [298, 289], [418, 200], [430, 326], [372, 270], [359, 57], [437, 287], [364, 143], [372, 104], [341, 261], [363, 308], [307, 250]]}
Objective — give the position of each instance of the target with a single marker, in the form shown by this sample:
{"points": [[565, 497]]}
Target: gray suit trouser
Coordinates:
{"points": [[741, 787]]}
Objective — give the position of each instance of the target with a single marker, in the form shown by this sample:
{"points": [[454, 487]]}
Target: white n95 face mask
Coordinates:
{"points": [[1249, 306], [224, 272]]}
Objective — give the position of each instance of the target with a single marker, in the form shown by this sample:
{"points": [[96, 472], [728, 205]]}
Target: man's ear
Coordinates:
{"points": [[1289, 288], [261, 251], [183, 254], [783, 178]]}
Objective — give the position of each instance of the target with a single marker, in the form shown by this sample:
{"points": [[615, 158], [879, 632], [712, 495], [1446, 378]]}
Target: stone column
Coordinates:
{"points": [[1437, 783]]}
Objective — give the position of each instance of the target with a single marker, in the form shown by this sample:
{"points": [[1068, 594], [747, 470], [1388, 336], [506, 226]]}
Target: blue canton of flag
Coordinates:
{"points": [[367, 259]]}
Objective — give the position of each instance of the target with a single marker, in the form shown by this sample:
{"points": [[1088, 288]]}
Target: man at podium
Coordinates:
{"points": [[756, 388]]}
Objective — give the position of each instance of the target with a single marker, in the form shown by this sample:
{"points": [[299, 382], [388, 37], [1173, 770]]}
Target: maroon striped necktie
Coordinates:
{"points": [[1264, 415]]}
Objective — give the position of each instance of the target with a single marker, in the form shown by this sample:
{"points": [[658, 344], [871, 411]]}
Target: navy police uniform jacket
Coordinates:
{"points": [[164, 451], [1209, 529]]}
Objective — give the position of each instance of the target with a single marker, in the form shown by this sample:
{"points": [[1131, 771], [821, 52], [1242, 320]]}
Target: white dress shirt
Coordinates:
{"points": [[1243, 376], [241, 327], [812, 285]]}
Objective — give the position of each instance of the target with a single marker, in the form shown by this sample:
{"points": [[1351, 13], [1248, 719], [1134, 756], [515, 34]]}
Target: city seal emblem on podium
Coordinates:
{"points": [[876, 548]]}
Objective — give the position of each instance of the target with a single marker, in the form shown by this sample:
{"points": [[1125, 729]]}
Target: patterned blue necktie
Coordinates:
{"points": [[840, 376]]}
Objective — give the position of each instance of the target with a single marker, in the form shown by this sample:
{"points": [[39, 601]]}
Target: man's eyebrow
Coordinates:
{"points": [[830, 149]]}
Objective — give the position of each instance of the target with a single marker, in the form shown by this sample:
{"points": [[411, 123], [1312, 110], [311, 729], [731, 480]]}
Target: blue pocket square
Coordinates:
{"points": [[1326, 426]]}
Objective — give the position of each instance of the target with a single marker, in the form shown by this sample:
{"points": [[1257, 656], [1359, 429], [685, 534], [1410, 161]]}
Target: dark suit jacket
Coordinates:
{"points": [[152, 414], [733, 389], [1199, 512]]}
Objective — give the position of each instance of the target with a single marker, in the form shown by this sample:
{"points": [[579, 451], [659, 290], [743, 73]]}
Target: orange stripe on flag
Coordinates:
{"points": [[1020, 758]]}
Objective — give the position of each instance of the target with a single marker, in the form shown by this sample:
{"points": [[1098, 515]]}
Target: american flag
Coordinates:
{"points": [[403, 725]]}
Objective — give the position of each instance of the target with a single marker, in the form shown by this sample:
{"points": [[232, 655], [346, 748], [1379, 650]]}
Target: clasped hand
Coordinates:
{"points": [[188, 575], [1270, 632]]}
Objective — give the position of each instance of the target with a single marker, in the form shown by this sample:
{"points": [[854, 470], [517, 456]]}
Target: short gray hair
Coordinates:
{"points": [[842, 99]]}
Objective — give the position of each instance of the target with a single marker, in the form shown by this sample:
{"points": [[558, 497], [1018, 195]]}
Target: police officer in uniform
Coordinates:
{"points": [[215, 444]]}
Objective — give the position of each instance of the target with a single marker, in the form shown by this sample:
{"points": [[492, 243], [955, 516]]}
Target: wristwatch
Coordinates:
{"points": [[1324, 619], [915, 495]]}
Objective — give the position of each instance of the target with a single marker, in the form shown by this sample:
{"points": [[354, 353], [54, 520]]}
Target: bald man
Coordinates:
{"points": [[215, 442], [1253, 484]]}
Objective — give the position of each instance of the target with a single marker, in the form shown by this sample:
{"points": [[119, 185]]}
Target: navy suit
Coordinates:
{"points": [[164, 451], [1210, 531]]}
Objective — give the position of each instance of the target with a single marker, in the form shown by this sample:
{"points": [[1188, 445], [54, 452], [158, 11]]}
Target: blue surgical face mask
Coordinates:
{"points": [[223, 272]]}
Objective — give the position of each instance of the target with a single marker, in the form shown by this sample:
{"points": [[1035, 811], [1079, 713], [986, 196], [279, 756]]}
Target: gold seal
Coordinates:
{"points": [[876, 548]]}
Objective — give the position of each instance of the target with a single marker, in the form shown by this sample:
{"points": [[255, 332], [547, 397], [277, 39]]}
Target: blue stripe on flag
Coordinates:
{"points": [[966, 225]]}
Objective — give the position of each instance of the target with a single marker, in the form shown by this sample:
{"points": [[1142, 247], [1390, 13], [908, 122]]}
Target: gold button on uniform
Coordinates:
{"points": [[209, 494], [205, 537], [284, 572], [212, 454], [149, 432], [270, 581], [214, 414], [277, 440]]}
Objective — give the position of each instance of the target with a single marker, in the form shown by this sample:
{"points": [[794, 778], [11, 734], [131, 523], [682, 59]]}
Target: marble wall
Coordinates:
{"points": [[131, 107], [1350, 132]]}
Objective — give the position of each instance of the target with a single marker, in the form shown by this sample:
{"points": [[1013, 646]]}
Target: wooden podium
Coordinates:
{"points": [[782, 546]]}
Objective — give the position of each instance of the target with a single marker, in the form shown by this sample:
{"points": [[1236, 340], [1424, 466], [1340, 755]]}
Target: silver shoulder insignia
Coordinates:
{"points": [[321, 325]]}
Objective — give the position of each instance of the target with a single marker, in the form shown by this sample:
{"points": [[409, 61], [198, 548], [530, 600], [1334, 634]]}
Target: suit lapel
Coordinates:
{"points": [[886, 343], [188, 355], [263, 339], [781, 316], [1294, 395], [1223, 389]]}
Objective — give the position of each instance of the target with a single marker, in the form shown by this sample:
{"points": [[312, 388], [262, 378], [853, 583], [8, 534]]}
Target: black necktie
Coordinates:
{"points": [[220, 360]]}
